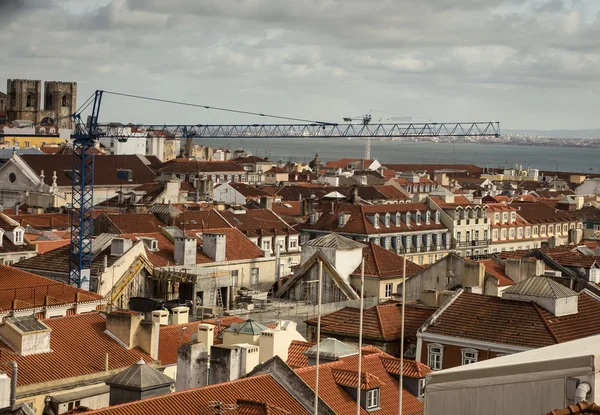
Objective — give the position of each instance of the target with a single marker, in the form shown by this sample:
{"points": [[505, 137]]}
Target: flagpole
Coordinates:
{"points": [[360, 332], [320, 293], [401, 383]]}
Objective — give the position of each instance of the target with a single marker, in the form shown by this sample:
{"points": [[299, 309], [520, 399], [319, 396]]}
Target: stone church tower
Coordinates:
{"points": [[25, 102]]}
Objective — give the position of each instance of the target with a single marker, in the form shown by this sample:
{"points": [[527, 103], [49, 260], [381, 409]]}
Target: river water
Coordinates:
{"points": [[484, 155]]}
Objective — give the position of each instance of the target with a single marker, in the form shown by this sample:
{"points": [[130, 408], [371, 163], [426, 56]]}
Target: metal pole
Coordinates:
{"points": [[316, 411], [401, 383], [360, 330]]}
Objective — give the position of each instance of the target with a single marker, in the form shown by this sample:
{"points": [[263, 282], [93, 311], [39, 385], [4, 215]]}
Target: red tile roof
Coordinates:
{"points": [[341, 402], [491, 267], [290, 208], [247, 191], [383, 263], [348, 377], [67, 359], [381, 322], [391, 192], [519, 323], [135, 222], [296, 357], [170, 337], [410, 368], [44, 221], [23, 290], [542, 213], [581, 408], [260, 388], [45, 246], [258, 222], [107, 165]]}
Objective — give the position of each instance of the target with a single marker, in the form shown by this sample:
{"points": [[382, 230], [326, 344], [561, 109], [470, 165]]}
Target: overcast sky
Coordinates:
{"points": [[526, 63]]}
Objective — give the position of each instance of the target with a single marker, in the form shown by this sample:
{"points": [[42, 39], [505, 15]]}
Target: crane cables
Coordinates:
{"points": [[208, 107]]}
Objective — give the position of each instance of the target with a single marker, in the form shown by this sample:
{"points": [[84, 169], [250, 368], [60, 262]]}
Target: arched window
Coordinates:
{"points": [[397, 218], [64, 101], [427, 217], [341, 219], [437, 217], [387, 220], [29, 100], [376, 220], [407, 218], [418, 218]]}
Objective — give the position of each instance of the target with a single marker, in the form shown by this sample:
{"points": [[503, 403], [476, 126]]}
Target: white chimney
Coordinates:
{"points": [[249, 358], [273, 343], [118, 246], [185, 250], [4, 390], [180, 315], [206, 335], [161, 317], [213, 245]]}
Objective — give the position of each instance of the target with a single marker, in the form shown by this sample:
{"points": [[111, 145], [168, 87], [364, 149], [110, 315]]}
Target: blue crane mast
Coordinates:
{"points": [[87, 133]]}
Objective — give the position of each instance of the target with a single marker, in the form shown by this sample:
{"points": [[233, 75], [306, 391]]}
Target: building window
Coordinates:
{"points": [[543, 229], [293, 243], [254, 277], [495, 234], [535, 230], [387, 220], [469, 356], [341, 219], [267, 245], [519, 232], [64, 101], [437, 217], [435, 356], [421, 391], [503, 234], [234, 278], [376, 220], [18, 237], [427, 217], [407, 218], [565, 228], [528, 232], [8, 262], [421, 259], [418, 218], [388, 289], [372, 398], [505, 217], [496, 217]]}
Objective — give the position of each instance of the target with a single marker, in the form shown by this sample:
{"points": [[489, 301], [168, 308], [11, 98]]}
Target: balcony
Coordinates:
{"points": [[471, 244]]}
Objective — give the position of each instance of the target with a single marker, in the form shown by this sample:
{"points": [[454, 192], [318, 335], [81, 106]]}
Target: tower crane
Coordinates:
{"points": [[87, 133]]}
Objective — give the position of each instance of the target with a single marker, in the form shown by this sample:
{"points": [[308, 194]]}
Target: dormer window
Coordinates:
{"points": [[437, 217], [376, 220], [398, 219], [341, 219], [387, 220], [313, 217], [407, 218], [372, 399], [427, 217], [18, 238], [418, 218]]}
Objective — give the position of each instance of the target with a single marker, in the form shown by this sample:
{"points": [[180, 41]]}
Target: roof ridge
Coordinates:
{"points": [[539, 311]]}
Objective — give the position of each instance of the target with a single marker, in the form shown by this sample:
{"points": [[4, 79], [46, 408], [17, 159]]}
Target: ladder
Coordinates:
{"points": [[215, 292]]}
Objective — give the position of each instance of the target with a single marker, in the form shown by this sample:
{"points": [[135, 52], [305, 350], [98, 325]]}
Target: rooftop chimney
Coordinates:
{"points": [[213, 245], [206, 335], [185, 250], [180, 315], [133, 331], [192, 366]]}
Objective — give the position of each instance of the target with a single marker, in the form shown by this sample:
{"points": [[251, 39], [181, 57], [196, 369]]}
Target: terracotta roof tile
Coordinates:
{"points": [[66, 359], [491, 267], [348, 377], [43, 221], [341, 402], [296, 357], [170, 337], [411, 368], [135, 222], [383, 263], [108, 165], [581, 408], [381, 322], [45, 246], [30, 290], [258, 222], [261, 388]]}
